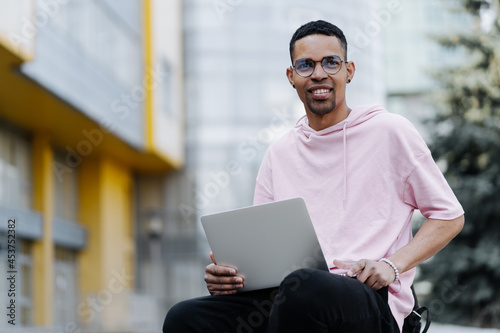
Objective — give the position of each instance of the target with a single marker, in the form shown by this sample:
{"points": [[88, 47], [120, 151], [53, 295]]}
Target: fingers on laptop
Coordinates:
{"points": [[224, 285], [212, 257], [222, 280], [223, 289], [220, 270]]}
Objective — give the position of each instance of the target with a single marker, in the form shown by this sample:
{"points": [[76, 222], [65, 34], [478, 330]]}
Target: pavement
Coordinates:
{"points": [[440, 328]]}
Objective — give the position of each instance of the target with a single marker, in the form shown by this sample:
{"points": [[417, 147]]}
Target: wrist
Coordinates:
{"points": [[390, 263]]}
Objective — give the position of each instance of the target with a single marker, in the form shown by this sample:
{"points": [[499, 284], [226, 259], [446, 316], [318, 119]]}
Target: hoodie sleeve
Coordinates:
{"points": [[424, 186], [427, 190]]}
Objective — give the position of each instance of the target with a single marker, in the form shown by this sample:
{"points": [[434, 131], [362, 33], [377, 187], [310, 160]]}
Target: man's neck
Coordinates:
{"points": [[320, 122]]}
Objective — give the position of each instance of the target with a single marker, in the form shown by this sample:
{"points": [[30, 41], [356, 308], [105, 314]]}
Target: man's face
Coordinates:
{"points": [[321, 93]]}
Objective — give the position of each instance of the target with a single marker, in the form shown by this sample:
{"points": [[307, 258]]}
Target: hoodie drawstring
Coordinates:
{"points": [[356, 116], [345, 162]]}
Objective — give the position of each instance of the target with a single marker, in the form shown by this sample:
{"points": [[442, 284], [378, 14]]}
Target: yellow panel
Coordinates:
{"points": [[43, 251], [117, 216], [148, 63], [90, 215]]}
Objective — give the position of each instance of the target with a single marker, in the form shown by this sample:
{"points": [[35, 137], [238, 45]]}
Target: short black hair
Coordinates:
{"points": [[319, 27]]}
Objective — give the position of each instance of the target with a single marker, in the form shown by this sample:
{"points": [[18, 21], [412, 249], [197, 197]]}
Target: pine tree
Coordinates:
{"points": [[466, 274]]}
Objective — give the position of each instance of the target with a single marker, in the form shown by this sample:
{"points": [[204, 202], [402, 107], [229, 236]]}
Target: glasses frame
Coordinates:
{"points": [[321, 61]]}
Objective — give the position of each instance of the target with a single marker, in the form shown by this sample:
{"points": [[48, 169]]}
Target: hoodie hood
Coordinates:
{"points": [[358, 115]]}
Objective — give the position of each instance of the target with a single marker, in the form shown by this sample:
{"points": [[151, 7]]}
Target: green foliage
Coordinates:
{"points": [[467, 137], [474, 6]]}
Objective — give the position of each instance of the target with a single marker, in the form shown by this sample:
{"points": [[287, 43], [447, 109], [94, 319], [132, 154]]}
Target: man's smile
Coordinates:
{"points": [[320, 92]]}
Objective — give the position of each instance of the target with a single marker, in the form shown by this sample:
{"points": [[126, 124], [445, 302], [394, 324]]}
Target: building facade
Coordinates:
{"points": [[91, 126]]}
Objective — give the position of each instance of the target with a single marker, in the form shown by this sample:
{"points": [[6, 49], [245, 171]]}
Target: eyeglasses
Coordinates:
{"points": [[331, 65]]}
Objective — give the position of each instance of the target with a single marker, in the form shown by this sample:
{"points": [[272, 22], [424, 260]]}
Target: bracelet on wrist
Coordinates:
{"points": [[390, 263]]}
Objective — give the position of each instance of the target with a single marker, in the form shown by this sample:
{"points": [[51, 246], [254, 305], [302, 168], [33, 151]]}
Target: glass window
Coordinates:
{"points": [[25, 270], [15, 170], [66, 192], [23, 281], [65, 287]]}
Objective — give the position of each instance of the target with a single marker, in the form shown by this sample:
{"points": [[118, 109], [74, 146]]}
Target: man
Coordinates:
{"points": [[362, 173]]}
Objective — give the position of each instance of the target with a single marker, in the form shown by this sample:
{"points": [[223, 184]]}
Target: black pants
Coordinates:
{"points": [[306, 301]]}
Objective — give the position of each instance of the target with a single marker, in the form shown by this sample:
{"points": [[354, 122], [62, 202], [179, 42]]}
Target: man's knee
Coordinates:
{"points": [[297, 286], [295, 278], [304, 286], [301, 278], [177, 317]]}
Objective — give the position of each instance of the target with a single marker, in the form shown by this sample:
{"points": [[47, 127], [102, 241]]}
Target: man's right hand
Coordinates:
{"points": [[222, 280]]}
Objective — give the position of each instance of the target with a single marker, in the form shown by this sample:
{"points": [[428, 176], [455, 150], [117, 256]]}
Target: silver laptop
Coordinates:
{"points": [[265, 242]]}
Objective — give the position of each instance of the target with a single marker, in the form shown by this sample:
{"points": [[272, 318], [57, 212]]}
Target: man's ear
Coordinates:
{"points": [[351, 69], [289, 75]]}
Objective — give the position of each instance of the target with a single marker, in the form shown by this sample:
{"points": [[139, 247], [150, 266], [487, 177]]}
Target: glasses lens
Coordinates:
{"points": [[304, 67], [331, 65]]}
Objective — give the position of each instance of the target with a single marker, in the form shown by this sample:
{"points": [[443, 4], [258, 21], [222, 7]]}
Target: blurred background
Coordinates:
{"points": [[123, 121]]}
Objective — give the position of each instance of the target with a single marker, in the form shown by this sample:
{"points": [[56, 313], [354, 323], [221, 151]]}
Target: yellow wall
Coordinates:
{"points": [[107, 264]]}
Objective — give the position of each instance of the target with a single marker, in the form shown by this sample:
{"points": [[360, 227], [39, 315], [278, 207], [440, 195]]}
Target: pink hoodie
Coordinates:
{"points": [[361, 180]]}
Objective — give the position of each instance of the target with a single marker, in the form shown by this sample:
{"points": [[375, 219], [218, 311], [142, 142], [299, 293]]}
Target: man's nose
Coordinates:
{"points": [[318, 73]]}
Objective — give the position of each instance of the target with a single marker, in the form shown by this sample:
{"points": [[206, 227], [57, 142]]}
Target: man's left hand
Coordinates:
{"points": [[370, 272]]}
